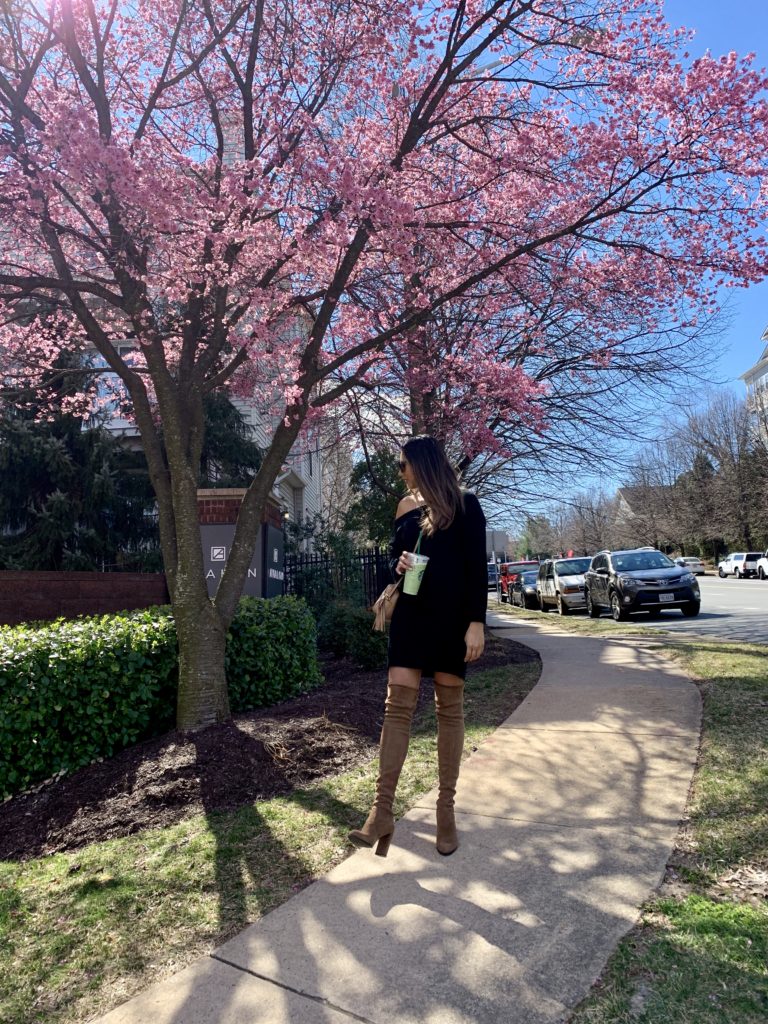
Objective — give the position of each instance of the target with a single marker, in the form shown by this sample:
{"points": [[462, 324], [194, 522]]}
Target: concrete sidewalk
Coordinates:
{"points": [[567, 815]]}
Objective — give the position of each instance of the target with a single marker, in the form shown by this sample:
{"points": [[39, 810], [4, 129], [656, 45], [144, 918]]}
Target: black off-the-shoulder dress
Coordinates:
{"points": [[427, 630]]}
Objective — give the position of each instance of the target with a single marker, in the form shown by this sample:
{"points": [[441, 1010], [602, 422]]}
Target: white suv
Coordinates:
{"points": [[741, 564], [762, 567]]}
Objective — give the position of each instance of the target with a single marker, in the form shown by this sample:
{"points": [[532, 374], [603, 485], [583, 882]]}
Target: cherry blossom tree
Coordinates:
{"points": [[587, 401], [270, 196]]}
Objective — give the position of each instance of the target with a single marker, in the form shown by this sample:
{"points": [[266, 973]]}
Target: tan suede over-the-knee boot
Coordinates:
{"points": [[449, 704], [395, 735]]}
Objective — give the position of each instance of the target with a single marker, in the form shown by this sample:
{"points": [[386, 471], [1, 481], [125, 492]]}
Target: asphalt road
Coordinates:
{"points": [[730, 609]]}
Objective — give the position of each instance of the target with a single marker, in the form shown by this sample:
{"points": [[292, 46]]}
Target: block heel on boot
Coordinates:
{"points": [[379, 826], [361, 842], [377, 831], [382, 847]]}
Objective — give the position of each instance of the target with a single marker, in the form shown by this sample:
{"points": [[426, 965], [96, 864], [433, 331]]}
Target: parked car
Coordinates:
{"points": [[638, 580], [694, 565], [560, 584], [523, 591], [493, 575], [509, 571], [762, 567], [741, 564]]}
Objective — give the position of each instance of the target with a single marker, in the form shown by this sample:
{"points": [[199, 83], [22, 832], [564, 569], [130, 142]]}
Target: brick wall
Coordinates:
{"points": [[221, 505], [26, 596]]}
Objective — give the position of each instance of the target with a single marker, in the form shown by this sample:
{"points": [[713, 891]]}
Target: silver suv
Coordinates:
{"points": [[560, 584]]}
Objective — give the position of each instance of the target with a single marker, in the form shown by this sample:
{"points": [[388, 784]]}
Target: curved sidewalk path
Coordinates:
{"points": [[567, 814]]}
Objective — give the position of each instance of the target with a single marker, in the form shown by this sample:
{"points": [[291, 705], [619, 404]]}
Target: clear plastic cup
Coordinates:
{"points": [[418, 564]]}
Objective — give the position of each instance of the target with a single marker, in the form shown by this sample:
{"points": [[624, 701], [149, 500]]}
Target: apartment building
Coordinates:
{"points": [[756, 382]]}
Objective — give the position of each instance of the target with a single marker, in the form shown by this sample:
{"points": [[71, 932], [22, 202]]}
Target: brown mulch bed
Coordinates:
{"points": [[257, 755]]}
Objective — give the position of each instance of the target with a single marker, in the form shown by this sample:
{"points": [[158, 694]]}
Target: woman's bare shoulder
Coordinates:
{"points": [[406, 504]]}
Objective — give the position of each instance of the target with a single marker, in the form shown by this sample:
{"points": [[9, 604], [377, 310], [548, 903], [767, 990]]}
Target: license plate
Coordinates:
{"points": [[666, 597]]}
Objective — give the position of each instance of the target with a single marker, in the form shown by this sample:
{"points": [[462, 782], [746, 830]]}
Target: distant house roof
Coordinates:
{"points": [[632, 499], [760, 369]]}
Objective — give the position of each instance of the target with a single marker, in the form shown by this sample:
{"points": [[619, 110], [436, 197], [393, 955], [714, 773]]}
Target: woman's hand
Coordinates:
{"points": [[475, 641], [403, 563]]}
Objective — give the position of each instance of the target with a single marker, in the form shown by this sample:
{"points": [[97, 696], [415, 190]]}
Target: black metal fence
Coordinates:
{"points": [[359, 577]]}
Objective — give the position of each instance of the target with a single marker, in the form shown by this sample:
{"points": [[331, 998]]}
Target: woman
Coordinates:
{"points": [[435, 632]]}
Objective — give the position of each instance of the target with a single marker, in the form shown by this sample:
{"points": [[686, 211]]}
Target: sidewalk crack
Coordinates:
{"points": [[295, 991]]}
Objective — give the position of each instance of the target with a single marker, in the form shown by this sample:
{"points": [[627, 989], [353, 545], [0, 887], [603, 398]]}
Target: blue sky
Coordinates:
{"points": [[721, 26], [740, 25]]}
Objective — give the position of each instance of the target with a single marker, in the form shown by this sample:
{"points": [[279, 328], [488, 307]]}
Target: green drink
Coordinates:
{"points": [[412, 582]]}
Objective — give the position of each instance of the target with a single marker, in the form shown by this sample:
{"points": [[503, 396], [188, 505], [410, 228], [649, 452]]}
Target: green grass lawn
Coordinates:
{"points": [[699, 954], [80, 932]]}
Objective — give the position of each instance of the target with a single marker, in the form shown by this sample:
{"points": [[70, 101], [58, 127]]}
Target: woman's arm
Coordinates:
{"points": [[475, 571], [396, 549], [476, 576]]}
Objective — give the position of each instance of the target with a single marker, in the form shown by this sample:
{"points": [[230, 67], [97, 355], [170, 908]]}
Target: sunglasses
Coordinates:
{"points": [[401, 466]]}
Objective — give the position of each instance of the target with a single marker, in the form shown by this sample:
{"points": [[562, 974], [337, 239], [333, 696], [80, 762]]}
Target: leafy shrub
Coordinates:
{"points": [[73, 691], [347, 630], [76, 690], [271, 652], [367, 648], [334, 628]]}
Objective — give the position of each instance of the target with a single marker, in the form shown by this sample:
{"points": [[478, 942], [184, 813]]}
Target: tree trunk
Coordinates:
{"points": [[202, 697], [202, 623]]}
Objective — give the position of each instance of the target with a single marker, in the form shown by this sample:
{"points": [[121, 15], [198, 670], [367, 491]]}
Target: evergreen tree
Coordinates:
{"points": [[71, 497], [378, 487], [230, 457]]}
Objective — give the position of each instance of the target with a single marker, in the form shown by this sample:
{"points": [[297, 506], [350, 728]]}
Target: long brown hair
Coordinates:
{"points": [[435, 480]]}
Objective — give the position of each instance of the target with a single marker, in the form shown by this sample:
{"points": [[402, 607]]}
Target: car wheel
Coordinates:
{"points": [[618, 612], [592, 609], [562, 607], [543, 607], [761, 573], [691, 610], [736, 574], [721, 574]]}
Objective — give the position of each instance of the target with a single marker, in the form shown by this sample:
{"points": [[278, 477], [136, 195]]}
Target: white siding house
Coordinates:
{"points": [[298, 489], [756, 382]]}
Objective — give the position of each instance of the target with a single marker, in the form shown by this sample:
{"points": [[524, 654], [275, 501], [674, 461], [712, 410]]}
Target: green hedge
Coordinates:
{"points": [[347, 630], [74, 691], [367, 648], [271, 652]]}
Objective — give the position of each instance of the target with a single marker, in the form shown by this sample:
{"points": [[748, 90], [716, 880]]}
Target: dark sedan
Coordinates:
{"points": [[523, 590]]}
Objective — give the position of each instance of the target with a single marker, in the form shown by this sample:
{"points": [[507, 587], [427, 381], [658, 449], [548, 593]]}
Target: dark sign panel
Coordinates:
{"points": [[274, 561], [217, 542]]}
